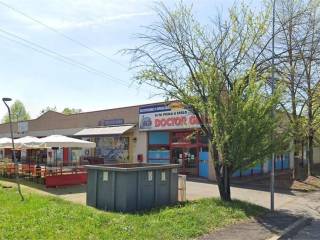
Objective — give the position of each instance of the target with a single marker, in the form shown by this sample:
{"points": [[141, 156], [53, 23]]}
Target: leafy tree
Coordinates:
{"points": [[48, 109], [213, 70], [68, 111], [18, 113]]}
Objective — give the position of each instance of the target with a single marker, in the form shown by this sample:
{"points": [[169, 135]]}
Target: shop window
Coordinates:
{"points": [[159, 154], [59, 154], [113, 148], [159, 151], [184, 137], [158, 137]]}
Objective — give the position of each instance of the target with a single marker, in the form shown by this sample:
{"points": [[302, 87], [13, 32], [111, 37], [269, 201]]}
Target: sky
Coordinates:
{"points": [[107, 26]]}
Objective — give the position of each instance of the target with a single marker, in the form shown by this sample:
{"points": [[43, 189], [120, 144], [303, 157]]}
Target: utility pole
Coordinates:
{"points": [[273, 110]]}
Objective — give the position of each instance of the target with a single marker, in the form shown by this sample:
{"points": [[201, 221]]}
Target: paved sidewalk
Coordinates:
{"points": [[258, 229], [311, 231], [305, 206], [259, 196]]}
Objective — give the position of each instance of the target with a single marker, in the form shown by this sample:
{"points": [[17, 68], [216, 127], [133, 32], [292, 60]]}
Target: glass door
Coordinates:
{"points": [[187, 158]]}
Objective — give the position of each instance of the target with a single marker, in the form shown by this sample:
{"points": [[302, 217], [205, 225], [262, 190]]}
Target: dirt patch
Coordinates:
{"points": [[284, 181], [313, 181], [302, 186]]}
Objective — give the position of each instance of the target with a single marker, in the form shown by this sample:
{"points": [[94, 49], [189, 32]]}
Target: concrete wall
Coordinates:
{"points": [[141, 146], [316, 155], [211, 173]]}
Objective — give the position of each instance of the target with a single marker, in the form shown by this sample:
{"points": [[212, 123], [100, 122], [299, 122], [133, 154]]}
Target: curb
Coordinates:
{"points": [[290, 228]]}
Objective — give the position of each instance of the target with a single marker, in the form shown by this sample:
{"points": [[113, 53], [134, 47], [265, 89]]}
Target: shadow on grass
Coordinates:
{"points": [[250, 210], [262, 223]]}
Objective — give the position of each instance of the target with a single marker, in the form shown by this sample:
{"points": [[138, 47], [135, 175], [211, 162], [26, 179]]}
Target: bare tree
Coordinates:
{"points": [[310, 59], [290, 22]]}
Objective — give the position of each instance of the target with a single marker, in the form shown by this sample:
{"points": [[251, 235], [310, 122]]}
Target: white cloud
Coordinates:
{"points": [[70, 14], [73, 24]]}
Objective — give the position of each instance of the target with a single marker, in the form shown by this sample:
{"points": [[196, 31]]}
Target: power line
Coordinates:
{"points": [[45, 53], [57, 56], [61, 34]]}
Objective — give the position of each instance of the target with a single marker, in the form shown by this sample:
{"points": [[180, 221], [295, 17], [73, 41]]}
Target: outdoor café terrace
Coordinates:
{"points": [[41, 163]]}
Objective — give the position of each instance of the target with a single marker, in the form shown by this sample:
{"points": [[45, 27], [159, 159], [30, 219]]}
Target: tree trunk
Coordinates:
{"points": [[310, 129], [292, 87], [310, 154], [223, 181], [222, 175], [226, 177], [296, 160]]}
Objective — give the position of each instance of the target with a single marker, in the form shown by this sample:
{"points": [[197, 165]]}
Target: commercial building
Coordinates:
{"points": [[155, 133]]}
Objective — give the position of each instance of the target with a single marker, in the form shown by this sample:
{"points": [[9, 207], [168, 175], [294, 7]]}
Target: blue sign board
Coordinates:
{"points": [[110, 122], [154, 108]]}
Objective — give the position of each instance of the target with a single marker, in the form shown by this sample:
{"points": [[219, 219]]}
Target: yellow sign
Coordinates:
{"points": [[176, 106]]}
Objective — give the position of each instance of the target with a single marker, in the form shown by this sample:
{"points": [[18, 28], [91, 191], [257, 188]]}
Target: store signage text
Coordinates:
{"points": [[161, 117], [110, 122], [23, 127]]}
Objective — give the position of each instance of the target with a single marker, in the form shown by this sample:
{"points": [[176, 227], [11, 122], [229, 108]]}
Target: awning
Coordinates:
{"points": [[63, 141], [112, 130], [5, 142]]}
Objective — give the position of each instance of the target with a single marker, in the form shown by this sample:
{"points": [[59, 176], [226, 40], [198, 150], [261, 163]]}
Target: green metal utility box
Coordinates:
{"points": [[132, 187]]}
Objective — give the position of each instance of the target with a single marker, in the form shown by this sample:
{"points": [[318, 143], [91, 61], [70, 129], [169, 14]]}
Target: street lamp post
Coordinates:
{"points": [[273, 110], [5, 100]]}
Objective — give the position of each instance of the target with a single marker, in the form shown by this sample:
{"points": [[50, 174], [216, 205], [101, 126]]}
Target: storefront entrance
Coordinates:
{"points": [[187, 158], [185, 147]]}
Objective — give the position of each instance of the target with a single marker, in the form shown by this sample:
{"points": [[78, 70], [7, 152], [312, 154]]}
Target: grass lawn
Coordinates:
{"points": [[43, 217]]}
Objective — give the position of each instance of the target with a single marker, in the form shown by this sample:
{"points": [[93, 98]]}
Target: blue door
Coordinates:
{"points": [[286, 161], [203, 164]]}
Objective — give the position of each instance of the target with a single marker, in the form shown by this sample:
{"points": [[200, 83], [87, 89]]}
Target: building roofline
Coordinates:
{"points": [[116, 108], [95, 111]]}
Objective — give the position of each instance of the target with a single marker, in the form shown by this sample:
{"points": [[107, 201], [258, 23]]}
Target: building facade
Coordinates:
{"points": [[154, 133]]}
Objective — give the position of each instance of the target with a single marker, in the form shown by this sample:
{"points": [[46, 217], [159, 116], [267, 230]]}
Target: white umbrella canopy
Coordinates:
{"points": [[59, 141], [27, 142], [5, 142]]}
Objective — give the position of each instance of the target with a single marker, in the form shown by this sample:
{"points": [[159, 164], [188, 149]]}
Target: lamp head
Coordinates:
{"points": [[5, 99]]}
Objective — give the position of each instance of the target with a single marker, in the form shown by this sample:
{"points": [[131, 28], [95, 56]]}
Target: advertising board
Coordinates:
{"points": [[166, 116]]}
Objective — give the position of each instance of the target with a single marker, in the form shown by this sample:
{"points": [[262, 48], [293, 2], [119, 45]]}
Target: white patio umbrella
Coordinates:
{"points": [[5, 142], [59, 141], [27, 142]]}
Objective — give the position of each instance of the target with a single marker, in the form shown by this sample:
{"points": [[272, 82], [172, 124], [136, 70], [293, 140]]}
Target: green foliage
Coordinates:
{"points": [[244, 129], [211, 73], [69, 111], [316, 112], [18, 113], [47, 109], [42, 217]]}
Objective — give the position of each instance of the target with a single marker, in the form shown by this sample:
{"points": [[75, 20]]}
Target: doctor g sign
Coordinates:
{"points": [[166, 116]]}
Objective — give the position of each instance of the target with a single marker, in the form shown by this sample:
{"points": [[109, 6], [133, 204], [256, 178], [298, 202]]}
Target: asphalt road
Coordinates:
{"points": [[308, 206], [309, 232]]}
